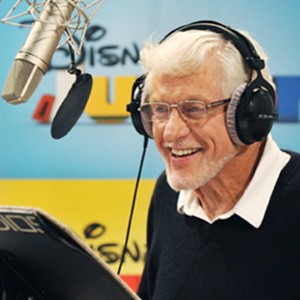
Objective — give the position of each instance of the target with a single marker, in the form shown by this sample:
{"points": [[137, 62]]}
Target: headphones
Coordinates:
{"points": [[252, 109]]}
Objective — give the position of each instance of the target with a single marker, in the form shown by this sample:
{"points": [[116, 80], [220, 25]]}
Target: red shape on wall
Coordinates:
{"points": [[132, 281], [43, 109]]}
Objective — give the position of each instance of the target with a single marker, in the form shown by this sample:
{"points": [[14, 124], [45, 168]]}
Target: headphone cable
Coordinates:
{"points": [[133, 204]]}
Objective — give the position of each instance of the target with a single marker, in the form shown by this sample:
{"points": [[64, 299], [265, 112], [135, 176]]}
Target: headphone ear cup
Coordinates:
{"points": [[133, 108], [255, 115], [231, 114]]}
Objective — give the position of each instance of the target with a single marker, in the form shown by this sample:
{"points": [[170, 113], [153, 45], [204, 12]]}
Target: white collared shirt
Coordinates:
{"points": [[255, 199]]}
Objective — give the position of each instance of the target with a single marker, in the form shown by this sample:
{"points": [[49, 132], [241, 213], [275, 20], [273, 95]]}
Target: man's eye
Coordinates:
{"points": [[193, 108], [160, 109]]}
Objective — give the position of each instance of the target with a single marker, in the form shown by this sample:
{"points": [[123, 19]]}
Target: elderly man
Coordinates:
{"points": [[224, 220]]}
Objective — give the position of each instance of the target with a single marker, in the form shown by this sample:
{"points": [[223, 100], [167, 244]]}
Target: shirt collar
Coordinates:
{"points": [[253, 203]]}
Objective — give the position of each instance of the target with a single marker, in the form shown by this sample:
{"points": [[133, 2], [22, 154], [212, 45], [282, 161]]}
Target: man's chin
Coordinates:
{"points": [[179, 183]]}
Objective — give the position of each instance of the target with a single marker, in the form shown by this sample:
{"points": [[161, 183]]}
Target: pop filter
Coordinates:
{"points": [[72, 107]]}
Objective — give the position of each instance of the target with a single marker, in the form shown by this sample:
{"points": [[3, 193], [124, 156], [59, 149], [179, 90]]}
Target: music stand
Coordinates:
{"points": [[41, 259]]}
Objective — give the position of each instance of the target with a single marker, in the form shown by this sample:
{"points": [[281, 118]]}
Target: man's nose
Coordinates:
{"points": [[176, 127]]}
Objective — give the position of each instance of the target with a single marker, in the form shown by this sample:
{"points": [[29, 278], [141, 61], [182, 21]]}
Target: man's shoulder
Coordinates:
{"points": [[294, 163], [290, 175]]}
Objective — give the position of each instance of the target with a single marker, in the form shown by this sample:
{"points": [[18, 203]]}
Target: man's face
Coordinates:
{"points": [[194, 151]]}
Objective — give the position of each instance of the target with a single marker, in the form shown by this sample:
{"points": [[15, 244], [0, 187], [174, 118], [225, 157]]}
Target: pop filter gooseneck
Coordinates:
{"points": [[73, 105]]}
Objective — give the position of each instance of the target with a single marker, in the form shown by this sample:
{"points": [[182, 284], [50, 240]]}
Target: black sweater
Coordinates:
{"points": [[229, 259]]}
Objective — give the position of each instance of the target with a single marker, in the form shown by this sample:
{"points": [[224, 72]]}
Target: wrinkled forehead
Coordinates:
{"points": [[201, 85]]}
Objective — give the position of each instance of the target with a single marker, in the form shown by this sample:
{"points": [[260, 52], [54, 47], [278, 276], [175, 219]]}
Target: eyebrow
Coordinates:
{"points": [[206, 102]]}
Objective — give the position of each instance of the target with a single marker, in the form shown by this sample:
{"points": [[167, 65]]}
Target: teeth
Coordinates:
{"points": [[184, 151]]}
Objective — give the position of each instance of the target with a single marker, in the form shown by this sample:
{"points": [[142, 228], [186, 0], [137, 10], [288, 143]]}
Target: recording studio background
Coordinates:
{"points": [[86, 179]]}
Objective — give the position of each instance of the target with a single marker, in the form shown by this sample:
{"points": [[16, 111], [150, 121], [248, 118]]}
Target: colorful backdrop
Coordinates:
{"points": [[87, 178]]}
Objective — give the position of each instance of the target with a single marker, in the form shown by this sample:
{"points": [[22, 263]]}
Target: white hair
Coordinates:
{"points": [[184, 53]]}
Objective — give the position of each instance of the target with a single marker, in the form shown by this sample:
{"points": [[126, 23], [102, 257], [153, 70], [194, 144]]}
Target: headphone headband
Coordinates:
{"points": [[241, 42]]}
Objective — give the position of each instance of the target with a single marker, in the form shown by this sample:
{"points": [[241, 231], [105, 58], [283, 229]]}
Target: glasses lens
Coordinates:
{"points": [[155, 112], [193, 110]]}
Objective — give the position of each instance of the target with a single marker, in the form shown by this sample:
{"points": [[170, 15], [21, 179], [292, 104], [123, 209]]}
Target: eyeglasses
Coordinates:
{"points": [[189, 109]]}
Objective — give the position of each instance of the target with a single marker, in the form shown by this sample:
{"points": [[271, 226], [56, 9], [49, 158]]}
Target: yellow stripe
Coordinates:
{"points": [[97, 210]]}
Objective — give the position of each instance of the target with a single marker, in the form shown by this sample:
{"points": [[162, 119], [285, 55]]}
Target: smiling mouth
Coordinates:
{"points": [[184, 152]]}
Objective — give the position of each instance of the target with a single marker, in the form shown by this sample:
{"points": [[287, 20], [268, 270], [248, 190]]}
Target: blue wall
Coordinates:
{"points": [[94, 150]]}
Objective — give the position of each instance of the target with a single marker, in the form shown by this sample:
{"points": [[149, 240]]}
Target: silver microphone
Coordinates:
{"points": [[32, 61]]}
